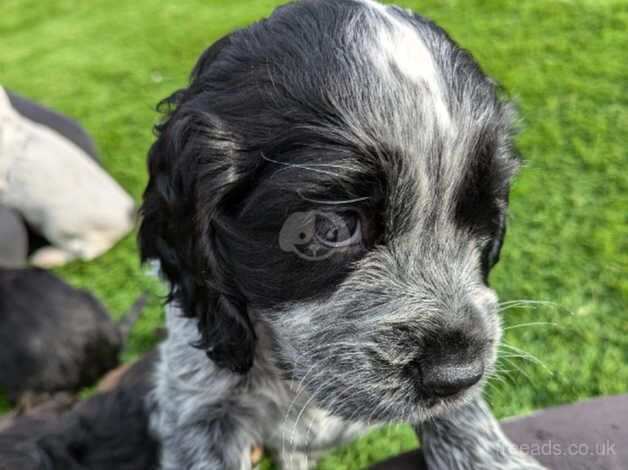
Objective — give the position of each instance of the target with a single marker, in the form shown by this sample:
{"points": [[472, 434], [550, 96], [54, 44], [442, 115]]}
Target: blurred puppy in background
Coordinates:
{"points": [[13, 239], [327, 198], [107, 431], [49, 176], [55, 337]]}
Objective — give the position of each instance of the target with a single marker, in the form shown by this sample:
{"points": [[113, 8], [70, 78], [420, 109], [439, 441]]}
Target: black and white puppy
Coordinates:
{"points": [[327, 198]]}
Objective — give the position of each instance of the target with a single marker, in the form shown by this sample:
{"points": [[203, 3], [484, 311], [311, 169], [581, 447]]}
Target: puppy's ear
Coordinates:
{"points": [[192, 170]]}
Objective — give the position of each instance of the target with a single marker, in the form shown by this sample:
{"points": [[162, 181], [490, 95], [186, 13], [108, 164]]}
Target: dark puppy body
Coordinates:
{"points": [[53, 336], [38, 405], [326, 199], [105, 432]]}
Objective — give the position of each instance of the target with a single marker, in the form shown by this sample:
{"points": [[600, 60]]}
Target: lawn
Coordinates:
{"points": [[107, 63]]}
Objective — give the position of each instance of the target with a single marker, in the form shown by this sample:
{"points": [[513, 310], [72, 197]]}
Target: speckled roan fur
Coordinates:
{"points": [[328, 106]]}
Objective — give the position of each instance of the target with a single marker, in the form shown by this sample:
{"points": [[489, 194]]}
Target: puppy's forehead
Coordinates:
{"points": [[393, 76], [398, 48], [384, 81]]}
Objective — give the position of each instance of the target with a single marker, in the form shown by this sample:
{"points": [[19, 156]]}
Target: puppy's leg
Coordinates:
{"points": [[196, 447], [470, 439], [198, 413], [195, 434], [86, 247]]}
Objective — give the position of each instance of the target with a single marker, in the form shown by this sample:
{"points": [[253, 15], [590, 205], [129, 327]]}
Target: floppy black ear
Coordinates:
{"points": [[191, 172]]}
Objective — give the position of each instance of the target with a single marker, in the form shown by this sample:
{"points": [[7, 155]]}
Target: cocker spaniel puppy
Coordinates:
{"points": [[53, 336], [326, 199]]}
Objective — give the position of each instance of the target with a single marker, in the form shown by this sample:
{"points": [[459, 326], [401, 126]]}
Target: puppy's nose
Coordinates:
{"points": [[445, 375]]}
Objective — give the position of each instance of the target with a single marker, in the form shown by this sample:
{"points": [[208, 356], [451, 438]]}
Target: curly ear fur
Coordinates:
{"points": [[191, 172]]}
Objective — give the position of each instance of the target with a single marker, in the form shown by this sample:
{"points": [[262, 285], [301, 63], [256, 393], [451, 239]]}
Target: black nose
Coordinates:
{"points": [[444, 376]]}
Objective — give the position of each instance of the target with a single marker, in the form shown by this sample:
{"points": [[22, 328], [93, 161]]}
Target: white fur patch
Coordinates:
{"points": [[399, 46], [59, 190]]}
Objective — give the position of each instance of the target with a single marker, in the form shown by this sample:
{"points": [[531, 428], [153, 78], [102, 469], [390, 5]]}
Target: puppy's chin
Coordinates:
{"points": [[417, 411], [379, 402]]}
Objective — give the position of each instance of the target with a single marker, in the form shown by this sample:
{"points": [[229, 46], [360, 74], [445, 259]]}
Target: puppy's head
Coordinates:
{"points": [[337, 176]]}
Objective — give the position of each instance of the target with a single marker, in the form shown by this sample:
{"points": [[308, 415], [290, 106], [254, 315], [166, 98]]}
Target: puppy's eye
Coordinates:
{"points": [[338, 230], [319, 234]]}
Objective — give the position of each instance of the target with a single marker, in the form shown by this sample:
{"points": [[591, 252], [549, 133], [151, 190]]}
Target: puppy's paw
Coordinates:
{"points": [[50, 257]]}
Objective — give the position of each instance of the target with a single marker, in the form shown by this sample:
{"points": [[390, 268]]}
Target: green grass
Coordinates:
{"points": [[107, 64]]}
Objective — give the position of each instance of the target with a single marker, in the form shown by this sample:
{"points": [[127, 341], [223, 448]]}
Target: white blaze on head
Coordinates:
{"points": [[400, 47]]}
